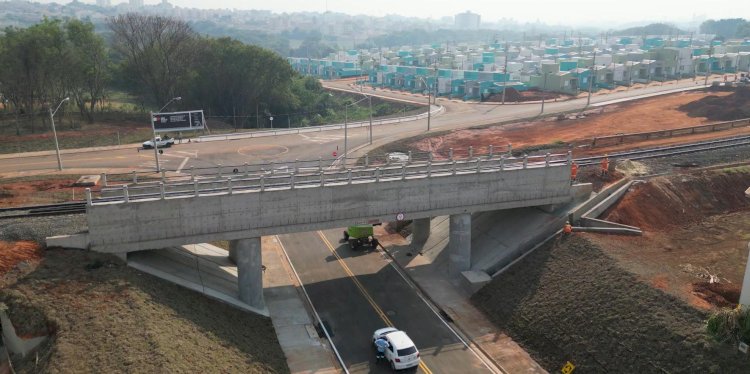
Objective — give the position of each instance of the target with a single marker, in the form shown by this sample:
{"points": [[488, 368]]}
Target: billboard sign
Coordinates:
{"points": [[178, 121]]}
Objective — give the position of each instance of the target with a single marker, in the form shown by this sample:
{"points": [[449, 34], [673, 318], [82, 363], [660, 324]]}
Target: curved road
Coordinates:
{"points": [[311, 145]]}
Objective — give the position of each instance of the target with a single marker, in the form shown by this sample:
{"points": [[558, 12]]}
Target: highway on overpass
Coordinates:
{"points": [[307, 145], [356, 292]]}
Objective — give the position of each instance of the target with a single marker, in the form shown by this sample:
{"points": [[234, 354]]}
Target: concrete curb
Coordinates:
{"points": [[69, 151]]}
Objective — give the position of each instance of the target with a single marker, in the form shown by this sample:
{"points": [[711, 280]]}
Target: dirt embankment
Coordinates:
{"points": [[106, 317], [670, 202], [695, 241], [571, 301], [720, 107]]}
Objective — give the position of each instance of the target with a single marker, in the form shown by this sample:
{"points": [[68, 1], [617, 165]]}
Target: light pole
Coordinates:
{"points": [[591, 79], [153, 128], [544, 87], [429, 102], [346, 128], [54, 132], [369, 101]]}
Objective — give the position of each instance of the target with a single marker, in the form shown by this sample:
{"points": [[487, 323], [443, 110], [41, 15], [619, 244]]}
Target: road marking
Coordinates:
{"points": [[321, 138], [364, 293], [182, 165]]}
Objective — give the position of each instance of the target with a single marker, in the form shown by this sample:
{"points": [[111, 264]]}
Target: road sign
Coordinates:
{"points": [[178, 121], [400, 217], [568, 368]]}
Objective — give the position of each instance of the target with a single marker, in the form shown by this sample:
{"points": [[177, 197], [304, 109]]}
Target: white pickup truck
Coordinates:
{"points": [[165, 142]]}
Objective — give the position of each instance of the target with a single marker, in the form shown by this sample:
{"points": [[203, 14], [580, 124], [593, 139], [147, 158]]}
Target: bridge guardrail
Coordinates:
{"points": [[263, 182]]}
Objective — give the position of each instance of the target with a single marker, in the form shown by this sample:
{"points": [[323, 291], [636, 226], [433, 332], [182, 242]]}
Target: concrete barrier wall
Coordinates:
{"points": [[157, 223]]}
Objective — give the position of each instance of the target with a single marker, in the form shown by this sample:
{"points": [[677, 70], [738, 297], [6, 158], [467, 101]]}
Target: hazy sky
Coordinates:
{"points": [[549, 11]]}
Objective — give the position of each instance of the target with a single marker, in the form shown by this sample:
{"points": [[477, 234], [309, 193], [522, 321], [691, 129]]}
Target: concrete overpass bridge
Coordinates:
{"points": [[243, 208]]}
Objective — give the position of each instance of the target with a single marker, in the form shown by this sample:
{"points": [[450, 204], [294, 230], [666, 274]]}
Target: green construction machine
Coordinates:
{"points": [[360, 236]]}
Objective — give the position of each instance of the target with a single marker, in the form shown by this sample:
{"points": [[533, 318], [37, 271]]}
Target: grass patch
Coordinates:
{"points": [[736, 170], [111, 318]]}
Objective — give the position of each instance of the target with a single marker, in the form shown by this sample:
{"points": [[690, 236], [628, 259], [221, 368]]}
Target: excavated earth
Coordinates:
{"points": [[636, 304]]}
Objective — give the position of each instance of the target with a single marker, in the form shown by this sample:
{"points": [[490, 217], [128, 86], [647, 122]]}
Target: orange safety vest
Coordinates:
{"points": [[573, 171], [605, 164], [567, 228]]}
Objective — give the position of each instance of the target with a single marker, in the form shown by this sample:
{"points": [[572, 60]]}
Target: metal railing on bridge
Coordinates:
{"points": [[305, 174]]}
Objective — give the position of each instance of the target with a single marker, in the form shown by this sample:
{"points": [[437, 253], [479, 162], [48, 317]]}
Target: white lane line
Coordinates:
{"points": [[309, 302], [182, 164], [484, 360]]}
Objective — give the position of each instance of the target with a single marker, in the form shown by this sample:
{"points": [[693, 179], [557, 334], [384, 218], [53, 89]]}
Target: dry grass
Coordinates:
{"points": [[110, 318]]}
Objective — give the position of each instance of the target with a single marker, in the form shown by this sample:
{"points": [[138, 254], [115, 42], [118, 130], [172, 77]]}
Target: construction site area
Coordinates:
{"points": [[606, 303]]}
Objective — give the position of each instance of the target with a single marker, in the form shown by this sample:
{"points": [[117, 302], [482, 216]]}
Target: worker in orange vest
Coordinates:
{"points": [[605, 165], [567, 229], [573, 172]]}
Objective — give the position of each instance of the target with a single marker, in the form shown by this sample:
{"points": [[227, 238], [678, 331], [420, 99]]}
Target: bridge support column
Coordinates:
{"points": [[247, 255], [459, 245], [420, 230]]}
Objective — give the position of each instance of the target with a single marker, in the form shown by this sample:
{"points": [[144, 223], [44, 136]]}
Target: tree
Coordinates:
{"points": [[725, 28], [90, 64], [233, 79], [160, 51]]}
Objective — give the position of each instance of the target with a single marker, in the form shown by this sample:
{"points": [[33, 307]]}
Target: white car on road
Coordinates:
{"points": [[401, 352], [165, 142]]}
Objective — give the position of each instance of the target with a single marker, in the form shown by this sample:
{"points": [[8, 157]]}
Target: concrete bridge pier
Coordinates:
{"points": [[246, 254], [420, 230], [459, 245]]}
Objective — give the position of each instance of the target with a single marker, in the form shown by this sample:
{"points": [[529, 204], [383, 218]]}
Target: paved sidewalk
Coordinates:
{"points": [[430, 275], [305, 352]]}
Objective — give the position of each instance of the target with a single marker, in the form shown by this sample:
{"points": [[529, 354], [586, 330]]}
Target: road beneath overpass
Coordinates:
{"points": [[358, 291], [310, 145]]}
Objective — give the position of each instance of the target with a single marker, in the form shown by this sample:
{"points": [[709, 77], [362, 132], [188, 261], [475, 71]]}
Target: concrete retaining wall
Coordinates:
{"points": [[584, 208], [16, 344], [159, 223]]}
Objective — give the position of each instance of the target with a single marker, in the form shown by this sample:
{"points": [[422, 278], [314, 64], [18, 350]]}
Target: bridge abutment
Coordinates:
{"points": [[420, 230], [246, 253], [459, 245]]}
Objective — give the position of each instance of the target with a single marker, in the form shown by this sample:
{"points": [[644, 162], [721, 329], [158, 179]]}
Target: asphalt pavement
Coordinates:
{"points": [[358, 291], [310, 145]]}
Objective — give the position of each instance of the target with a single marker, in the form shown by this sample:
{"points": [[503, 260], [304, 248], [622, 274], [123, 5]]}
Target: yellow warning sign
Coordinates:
{"points": [[568, 368]]}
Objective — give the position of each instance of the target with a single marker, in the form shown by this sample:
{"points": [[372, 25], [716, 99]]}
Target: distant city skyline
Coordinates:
{"points": [[595, 13]]}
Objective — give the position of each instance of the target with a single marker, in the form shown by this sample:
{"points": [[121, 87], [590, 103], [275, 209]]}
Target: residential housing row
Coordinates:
{"points": [[472, 72]]}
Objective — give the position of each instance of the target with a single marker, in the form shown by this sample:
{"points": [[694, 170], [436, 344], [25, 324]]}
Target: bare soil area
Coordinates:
{"points": [[105, 317], [696, 234], [660, 113], [40, 190]]}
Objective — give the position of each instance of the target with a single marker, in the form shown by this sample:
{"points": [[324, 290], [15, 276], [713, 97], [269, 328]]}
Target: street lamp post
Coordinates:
{"points": [[369, 102], [429, 102], [54, 131], [346, 128], [544, 87], [153, 129]]}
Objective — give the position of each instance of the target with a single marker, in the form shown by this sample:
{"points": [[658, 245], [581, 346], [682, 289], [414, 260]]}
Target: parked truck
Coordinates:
{"points": [[360, 236]]}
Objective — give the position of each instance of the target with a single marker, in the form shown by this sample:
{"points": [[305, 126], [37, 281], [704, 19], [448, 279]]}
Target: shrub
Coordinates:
{"points": [[730, 325]]}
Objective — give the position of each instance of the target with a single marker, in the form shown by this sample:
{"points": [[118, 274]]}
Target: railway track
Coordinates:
{"points": [[639, 154], [43, 210]]}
